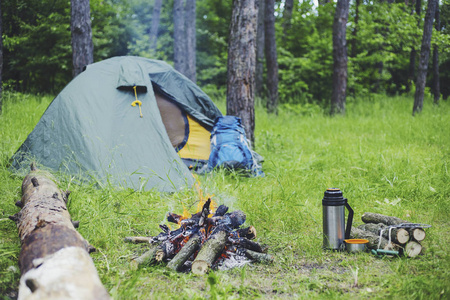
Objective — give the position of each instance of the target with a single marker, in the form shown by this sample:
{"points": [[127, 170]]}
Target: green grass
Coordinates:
{"points": [[384, 160]]}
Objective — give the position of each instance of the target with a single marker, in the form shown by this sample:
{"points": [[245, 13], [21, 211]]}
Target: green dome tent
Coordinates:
{"points": [[122, 121]]}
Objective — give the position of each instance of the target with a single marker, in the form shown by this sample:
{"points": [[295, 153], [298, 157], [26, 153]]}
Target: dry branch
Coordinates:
{"points": [[183, 255], [54, 260], [138, 239], [379, 218]]}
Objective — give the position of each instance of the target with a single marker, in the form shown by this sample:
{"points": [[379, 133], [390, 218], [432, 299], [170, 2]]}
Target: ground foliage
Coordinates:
{"points": [[383, 159], [38, 53]]}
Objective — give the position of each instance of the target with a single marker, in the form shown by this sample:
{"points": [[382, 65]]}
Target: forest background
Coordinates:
{"points": [[383, 40]]}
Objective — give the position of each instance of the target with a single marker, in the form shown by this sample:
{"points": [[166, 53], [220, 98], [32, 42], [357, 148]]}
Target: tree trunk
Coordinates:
{"points": [[259, 76], [1, 59], [179, 41], [82, 45], [241, 64], [190, 40], [413, 53], [54, 260], [183, 255], [355, 31], [398, 235], [436, 87], [287, 14], [379, 218], [340, 58], [424, 55], [155, 24], [271, 57]]}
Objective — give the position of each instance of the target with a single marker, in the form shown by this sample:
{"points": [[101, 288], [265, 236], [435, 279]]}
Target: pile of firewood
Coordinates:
{"points": [[405, 237], [202, 242]]}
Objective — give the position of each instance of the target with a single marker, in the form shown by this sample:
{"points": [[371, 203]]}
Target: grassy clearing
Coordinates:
{"points": [[383, 159]]}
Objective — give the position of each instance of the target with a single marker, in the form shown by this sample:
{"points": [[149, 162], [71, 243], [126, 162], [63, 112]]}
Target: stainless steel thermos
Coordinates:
{"points": [[334, 230]]}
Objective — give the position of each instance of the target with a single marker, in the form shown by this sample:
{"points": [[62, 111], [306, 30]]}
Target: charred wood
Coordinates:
{"points": [[209, 252], [187, 251]]}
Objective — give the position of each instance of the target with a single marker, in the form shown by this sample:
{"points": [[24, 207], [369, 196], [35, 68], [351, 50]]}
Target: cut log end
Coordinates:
{"points": [[402, 236], [418, 234], [413, 249], [200, 267]]}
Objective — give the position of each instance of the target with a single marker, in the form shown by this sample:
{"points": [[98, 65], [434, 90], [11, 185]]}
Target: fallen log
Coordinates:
{"points": [[209, 252], [398, 235], [183, 255], [54, 260], [373, 239]]}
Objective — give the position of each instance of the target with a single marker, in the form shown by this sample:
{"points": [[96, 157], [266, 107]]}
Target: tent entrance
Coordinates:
{"points": [[188, 137]]}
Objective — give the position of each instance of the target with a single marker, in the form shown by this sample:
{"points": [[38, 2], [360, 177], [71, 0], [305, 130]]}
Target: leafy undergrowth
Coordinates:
{"points": [[384, 160]]}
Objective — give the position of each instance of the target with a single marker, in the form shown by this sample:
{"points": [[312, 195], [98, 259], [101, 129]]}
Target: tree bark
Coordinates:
{"points": [[183, 255], [209, 252], [436, 87], [271, 57], [340, 58], [153, 35], [138, 239], [179, 41], [82, 45], [374, 239], [241, 65], [147, 257], [259, 76], [1, 60], [190, 40], [355, 31], [287, 14], [424, 55], [259, 257], [413, 53], [54, 260], [398, 235], [379, 218]]}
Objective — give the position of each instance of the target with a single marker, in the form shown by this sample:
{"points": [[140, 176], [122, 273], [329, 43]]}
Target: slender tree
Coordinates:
{"points": [[82, 45], [241, 64], [413, 53], [153, 35], [1, 58], [179, 42], [436, 79], [424, 56], [271, 56], [339, 58], [287, 14], [191, 40], [259, 76], [355, 30]]}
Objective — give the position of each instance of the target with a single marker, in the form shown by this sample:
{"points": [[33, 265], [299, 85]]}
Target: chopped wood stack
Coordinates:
{"points": [[203, 242], [405, 238]]}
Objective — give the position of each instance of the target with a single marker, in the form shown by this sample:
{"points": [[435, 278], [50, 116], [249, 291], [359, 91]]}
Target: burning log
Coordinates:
{"points": [[204, 241], [398, 235], [54, 260], [147, 258], [209, 252], [183, 255]]}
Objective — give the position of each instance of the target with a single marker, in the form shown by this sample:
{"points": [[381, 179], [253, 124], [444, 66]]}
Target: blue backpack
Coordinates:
{"points": [[229, 146]]}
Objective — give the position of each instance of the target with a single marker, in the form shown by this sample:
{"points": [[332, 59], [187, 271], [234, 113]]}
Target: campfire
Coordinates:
{"points": [[209, 239]]}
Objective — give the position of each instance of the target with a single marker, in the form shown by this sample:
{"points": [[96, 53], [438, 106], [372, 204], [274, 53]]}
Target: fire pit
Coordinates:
{"points": [[206, 240]]}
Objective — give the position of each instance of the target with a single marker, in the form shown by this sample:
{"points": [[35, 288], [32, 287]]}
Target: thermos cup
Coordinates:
{"points": [[334, 230]]}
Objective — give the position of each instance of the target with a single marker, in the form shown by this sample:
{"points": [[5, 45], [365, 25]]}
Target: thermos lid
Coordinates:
{"points": [[333, 197]]}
